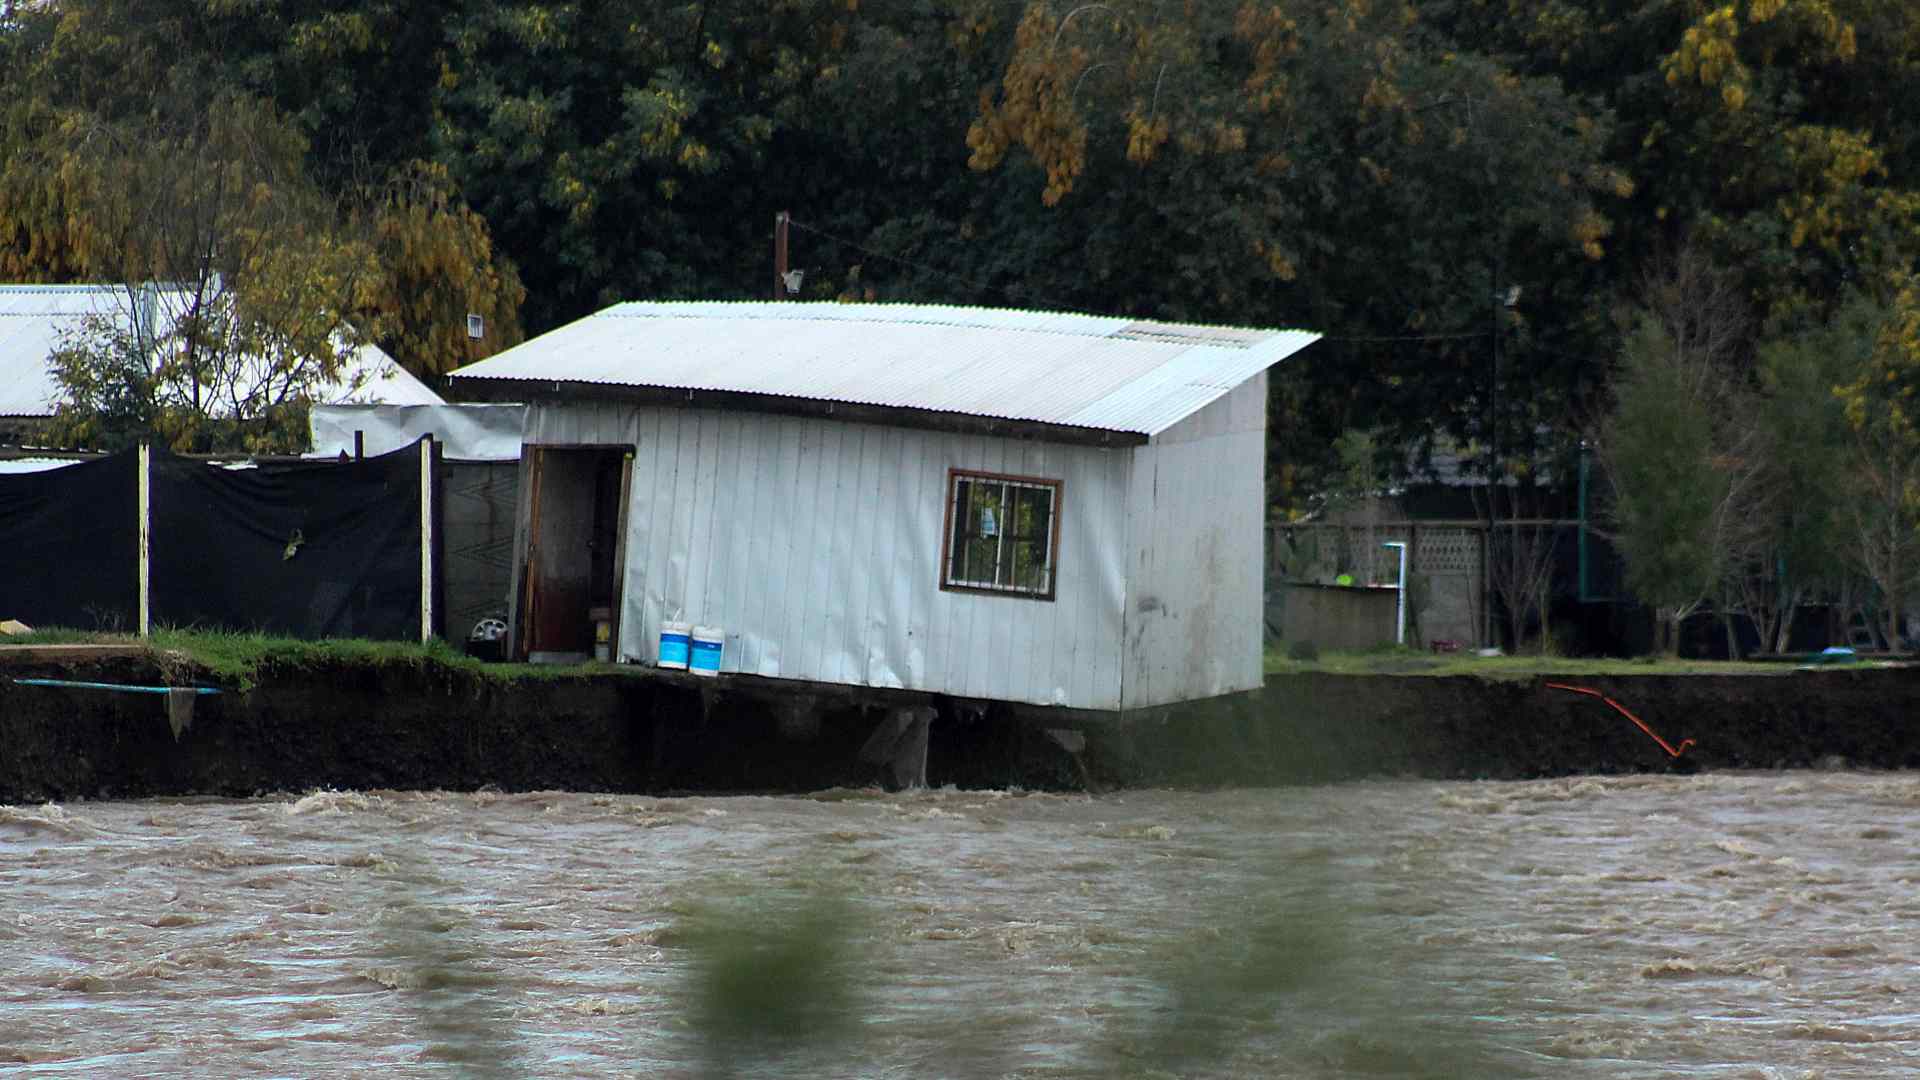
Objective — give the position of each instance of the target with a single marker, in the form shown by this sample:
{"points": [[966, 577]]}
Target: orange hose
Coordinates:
{"points": [[1622, 710]]}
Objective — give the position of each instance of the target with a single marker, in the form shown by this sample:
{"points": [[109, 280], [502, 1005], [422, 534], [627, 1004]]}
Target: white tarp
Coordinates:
{"points": [[465, 432], [33, 465]]}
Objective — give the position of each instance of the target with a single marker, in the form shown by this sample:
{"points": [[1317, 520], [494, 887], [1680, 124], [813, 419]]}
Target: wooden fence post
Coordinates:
{"points": [[145, 501], [426, 538]]}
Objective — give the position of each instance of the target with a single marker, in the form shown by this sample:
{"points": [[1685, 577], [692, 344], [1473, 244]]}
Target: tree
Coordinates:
{"points": [[625, 148], [348, 81], [247, 288], [437, 267], [1883, 511], [1521, 539], [1306, 164], [1773, 134], [1680, 444], [1809, 449]]}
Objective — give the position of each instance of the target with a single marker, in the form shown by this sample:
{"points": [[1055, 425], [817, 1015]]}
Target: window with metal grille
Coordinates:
{"points": [[1002, 534]]}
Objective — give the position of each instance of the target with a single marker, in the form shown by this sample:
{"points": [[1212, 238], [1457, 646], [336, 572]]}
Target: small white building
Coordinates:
{"points": [[37, 320], [998, 505]]}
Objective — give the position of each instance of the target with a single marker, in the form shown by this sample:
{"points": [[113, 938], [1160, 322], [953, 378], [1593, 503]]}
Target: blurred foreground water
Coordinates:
{"points": [[1737, 925]]}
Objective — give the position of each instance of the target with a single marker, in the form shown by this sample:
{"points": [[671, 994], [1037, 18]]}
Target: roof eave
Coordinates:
{"points": [[472, 388]]}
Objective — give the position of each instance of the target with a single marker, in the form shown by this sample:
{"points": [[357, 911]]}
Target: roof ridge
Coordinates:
{"points": [[1124, 327]]}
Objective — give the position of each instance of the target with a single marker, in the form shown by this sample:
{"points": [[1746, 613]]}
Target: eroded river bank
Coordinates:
{"points": [[433, 726]]}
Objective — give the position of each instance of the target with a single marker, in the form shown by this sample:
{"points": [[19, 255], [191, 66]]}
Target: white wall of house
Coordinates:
{"points": [[816, 545], [1195, 554]]}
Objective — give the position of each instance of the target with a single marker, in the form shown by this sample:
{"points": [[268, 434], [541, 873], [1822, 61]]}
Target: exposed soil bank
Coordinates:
{"points": [[404, 725], [1312, 728]]}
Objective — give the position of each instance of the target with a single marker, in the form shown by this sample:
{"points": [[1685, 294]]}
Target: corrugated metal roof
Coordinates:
{"points": [[37, 319], [1079, 370]]}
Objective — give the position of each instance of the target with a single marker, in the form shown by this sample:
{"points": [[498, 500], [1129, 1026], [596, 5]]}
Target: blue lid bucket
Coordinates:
{"points": [[707, 643], [676, 640]]}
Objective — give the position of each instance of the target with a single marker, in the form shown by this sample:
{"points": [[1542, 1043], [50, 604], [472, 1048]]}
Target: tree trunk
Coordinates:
{"points": [[1892, 589], [1733, 635]]}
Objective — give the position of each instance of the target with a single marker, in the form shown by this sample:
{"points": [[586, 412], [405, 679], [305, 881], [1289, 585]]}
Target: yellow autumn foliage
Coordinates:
{"points": [[438, 266]]}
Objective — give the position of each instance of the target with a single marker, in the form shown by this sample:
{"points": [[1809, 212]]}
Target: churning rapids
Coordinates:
{"points": [[1735, 925]]}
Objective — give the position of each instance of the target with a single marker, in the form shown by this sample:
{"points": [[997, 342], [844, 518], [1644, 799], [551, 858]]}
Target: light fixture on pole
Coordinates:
{"points": [[1400, 601]]}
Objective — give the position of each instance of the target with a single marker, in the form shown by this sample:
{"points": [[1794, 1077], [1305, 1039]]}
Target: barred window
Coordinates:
{"points": [[1002, 532]]}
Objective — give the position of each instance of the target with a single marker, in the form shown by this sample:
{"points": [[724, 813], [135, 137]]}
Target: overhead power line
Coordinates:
{"points": [[934, 271], [1054, 304]]}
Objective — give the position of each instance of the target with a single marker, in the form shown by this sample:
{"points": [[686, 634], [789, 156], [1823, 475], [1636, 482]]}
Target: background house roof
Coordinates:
{"points": [[1080, 371], [35, 320]]}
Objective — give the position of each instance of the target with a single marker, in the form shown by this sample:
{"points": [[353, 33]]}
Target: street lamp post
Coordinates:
{"points": [[1400, 601]]}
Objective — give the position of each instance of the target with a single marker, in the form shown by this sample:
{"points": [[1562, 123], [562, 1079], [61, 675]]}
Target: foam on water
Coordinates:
{"points": [[1744, 924]]}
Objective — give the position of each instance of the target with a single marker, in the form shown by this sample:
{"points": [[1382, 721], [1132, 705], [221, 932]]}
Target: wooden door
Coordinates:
{"points": [[573, 540]]}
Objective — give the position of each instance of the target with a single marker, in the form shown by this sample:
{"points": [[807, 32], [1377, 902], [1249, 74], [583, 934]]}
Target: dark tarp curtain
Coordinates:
{"points": [[70, 545], [303, 550]]}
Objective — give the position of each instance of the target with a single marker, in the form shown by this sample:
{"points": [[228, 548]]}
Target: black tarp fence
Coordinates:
{"points": [[70, 545], [307, 550], [299, 550]]}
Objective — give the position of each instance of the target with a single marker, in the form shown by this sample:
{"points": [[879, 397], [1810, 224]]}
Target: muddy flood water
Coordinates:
{"points": [[1758, 925]]}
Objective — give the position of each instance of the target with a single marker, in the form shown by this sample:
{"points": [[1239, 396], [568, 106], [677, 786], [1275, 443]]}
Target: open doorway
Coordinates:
{"points": [[570, 580]]}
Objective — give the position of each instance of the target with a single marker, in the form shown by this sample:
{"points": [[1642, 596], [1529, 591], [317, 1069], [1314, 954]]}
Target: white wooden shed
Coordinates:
{"points": [[997, 505]]}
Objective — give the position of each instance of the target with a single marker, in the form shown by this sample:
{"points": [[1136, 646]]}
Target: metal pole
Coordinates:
{"points": [[780, 255], [1493, 459], [426, 538], [1586, 456], [145, 500], [1400, 601]]}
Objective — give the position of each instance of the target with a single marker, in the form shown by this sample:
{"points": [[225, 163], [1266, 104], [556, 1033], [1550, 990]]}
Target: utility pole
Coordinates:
{"points": [[1493, 462], [780, 255]]}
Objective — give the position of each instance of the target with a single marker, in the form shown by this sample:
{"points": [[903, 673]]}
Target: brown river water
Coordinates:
{"points": [[1758, 925]]}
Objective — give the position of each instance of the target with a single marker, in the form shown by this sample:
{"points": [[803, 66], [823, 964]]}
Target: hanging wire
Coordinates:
{"points": [[1463, 335], [1056, 305]]}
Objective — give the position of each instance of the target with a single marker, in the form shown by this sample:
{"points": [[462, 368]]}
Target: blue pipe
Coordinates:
{"points": [[72, 685]]}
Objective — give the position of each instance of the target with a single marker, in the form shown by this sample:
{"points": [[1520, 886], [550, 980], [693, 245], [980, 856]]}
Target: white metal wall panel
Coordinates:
{"points": [[466, 432], [816, 546], [1195, 555]]}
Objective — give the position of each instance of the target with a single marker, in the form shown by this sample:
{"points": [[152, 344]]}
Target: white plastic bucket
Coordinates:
{"points": [[707, 643], [675, 644]]}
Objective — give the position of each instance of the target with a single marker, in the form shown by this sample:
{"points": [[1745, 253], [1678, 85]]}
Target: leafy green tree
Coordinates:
{"points": [[1809, 451], [242, 279], [1774, 134], [1680, 445], [350, 83], [1882, 516], [625, 149], [437, 266], [1301, 164]]}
